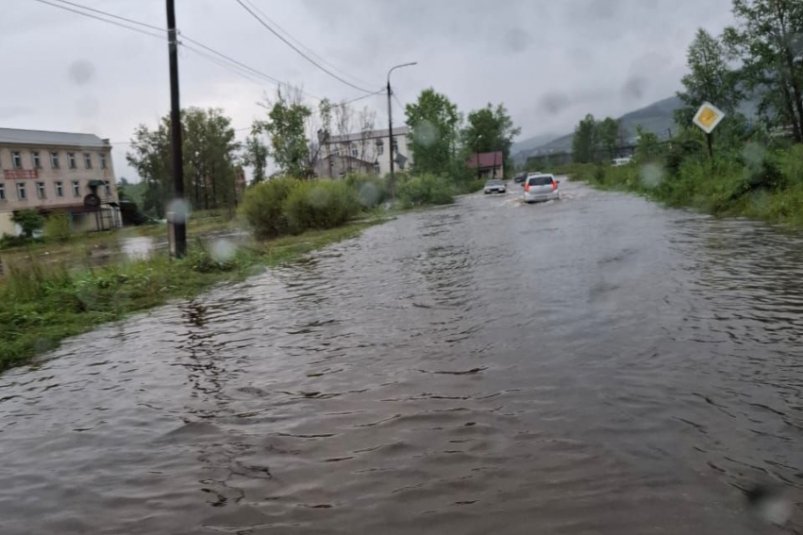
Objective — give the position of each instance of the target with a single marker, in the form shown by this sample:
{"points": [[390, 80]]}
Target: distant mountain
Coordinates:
{"points": [[530, 143], [656, 118]]}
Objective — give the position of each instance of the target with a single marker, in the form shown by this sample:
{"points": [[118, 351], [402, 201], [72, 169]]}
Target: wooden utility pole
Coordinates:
{"points": [[178, 219]]}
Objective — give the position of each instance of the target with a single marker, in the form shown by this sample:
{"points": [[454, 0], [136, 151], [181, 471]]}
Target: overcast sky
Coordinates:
{"points": [[549, 62]]}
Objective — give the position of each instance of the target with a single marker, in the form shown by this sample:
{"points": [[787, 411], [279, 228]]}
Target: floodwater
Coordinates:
{"points": [[594, 365]]}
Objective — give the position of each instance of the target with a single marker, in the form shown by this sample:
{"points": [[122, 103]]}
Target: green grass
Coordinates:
{"points": [[43, 305], [770, 189]]}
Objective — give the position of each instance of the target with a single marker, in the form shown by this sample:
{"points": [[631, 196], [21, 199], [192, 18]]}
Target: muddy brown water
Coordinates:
{"points": [[594, 365]]}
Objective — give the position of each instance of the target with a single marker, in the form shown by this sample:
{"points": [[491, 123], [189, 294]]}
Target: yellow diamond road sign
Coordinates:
{"points": [[708, 117]]}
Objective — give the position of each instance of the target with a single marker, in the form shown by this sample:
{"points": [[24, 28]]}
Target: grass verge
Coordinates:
{"points": [[43, 305], [769, 188]]}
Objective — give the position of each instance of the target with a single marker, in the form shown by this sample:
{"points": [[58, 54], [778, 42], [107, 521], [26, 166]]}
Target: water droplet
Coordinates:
{"points": [[425, 133], [318, 197], [81, 71], [651, 175], [753, 154], [368, 194], [178, 210], [223, 250]]}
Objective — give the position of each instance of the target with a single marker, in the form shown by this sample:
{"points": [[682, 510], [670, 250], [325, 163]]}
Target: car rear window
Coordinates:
{"points": [[545, 180]]}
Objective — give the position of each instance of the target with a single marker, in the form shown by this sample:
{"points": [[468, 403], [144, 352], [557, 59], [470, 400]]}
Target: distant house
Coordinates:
{"points": [[338, 165], [363, 152], [488, 164]]}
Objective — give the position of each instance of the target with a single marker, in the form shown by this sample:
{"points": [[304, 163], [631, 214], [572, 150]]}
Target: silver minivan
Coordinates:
{"points": [[540, 187]]}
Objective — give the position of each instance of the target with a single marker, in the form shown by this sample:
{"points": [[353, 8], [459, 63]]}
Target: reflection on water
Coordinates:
{"points": [[595, 365], [137, 247]]}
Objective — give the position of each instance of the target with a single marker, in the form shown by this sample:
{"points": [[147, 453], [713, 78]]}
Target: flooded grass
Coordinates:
{"points": [[45, 303]]}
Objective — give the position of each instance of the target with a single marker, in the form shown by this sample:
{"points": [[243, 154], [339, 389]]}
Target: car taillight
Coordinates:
{"points": [[526, 187], [554, 185]]}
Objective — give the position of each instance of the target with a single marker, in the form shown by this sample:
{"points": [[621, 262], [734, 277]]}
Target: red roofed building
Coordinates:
{"points": [[488, 164]]}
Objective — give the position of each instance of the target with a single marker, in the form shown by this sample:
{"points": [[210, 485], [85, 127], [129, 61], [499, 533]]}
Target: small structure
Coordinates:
{"points": [[488, 165]]}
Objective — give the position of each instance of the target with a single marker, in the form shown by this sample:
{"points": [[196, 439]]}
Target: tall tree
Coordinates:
{"points": [[286, 128], [709, 79], [255, 156], [585, 141], [433, 121], [209, 151], [608, 137], [490, 129], [150, 156], [767, 38]]}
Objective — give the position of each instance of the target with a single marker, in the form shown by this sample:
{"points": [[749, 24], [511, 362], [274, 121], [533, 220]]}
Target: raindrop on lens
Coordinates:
{"points": [[651, 175], [178, 210], [425, 133], [223, 250]]}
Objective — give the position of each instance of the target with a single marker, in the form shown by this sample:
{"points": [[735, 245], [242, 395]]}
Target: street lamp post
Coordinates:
{"points": [[392, 183]]}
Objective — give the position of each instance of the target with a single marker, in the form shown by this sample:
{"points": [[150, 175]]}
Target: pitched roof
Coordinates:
{"points": [[44, 137], [486, 159]]}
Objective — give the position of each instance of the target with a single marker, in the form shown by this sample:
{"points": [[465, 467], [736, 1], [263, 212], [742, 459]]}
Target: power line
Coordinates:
{"points": [[244, 70], [299, 51], [132, 28], [364, 96], [112, 15], [311, 52]]}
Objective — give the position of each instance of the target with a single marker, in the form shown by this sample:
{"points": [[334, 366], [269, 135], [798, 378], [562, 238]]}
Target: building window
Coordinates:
{"points": [[16, 159], [354, 151], [21, 191], [54, 160], [103, 161], [37, 163], [59, 189], [2, 192], [107, 187], [76, 188], [71, 159], [87, 160], [40, 190], [380, 148]]}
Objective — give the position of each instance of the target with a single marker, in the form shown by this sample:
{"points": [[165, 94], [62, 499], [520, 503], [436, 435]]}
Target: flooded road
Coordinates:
{"points": [[594, 365]]}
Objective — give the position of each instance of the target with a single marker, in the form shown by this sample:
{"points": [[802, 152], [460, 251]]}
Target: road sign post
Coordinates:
{"points": [[707, 118]]}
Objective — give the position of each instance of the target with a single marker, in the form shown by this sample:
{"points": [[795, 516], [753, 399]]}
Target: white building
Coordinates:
{"points": [[57, 172], [364, 152]]}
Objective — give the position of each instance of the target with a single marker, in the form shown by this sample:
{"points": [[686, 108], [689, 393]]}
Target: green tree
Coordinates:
{"points": [[648, 146], [608, 136], [150, 156], [768, 38], [29, 221], [255, 156], [490, 129], [209, 152], [585, 142], [286, 129], [433, 121], [709, 79]]}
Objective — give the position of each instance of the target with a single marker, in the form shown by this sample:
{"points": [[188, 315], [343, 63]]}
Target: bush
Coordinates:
{"points": [[263, 206], [371, 191], [320, 205], [790, 163], [425, 189], [57, 227], [29, 220]]}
